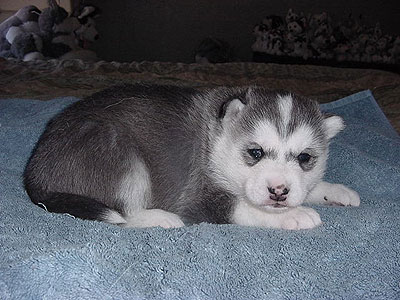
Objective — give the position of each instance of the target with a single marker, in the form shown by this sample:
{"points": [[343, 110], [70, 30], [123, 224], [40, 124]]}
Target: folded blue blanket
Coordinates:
{"points": [[355, 254]]}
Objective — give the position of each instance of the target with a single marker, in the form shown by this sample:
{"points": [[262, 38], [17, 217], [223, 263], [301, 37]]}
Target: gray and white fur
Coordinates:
{"points": [[150, 155]]}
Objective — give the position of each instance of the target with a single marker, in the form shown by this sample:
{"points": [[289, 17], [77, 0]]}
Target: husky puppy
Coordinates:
{"points": [[149, 155]]}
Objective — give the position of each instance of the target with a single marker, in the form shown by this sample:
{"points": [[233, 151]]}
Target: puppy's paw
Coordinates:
{"points": [[333, 194], [153, 218], [300, 218], [338, 194]]}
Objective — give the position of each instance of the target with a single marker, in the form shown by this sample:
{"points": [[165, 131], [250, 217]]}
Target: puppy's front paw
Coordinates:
{"points": [[338, 194], [301, 218]]}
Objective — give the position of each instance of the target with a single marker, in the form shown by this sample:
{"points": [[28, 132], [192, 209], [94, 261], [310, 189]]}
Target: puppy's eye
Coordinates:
{"points": [[257, 154], [303, 158]]}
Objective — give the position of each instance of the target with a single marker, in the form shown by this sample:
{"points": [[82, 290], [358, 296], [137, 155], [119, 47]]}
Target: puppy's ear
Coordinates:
{"points": [[230, 111], [333, 125]]}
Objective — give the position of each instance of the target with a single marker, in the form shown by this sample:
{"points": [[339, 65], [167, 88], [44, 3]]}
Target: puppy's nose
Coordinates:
{"points": [[278, 193]]}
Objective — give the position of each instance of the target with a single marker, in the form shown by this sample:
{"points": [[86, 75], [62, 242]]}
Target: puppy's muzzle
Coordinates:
{"points": [[278, 193]]}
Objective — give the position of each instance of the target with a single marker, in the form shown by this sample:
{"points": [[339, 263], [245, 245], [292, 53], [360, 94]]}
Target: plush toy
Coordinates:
{"points": [[64, 35], [277, 46], [369, 52], [31, 34], [355, 53], [23, 17], [394, 51], [25, 45], [316, 37], [28, 34], [301, 48], [288, 42], [363, 39], [84, 34], [349, 28], [319, 19], [87, 32], [291, 16], [382, 47], [296, 28], [323, 48], [324, 29], [260, 31], [55, 30], [342, 52], [377, 32], [22, 22], [52, 15], [270, 42], [295, 33]]}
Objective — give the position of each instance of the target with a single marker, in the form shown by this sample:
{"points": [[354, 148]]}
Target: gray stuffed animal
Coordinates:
{"points": [[52, 15], [51, 18], [25, 45], [62, 34], [31, 34], [24, 20]]}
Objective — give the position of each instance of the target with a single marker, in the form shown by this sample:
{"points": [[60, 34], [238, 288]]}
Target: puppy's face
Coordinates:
{"points": [[273, 148]]}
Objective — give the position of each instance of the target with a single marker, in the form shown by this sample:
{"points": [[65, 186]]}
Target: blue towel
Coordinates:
{"points": [[355, 254]]}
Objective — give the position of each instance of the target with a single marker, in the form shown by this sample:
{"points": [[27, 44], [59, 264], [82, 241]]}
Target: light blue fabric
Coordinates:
{"points": [[355, 254]]}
